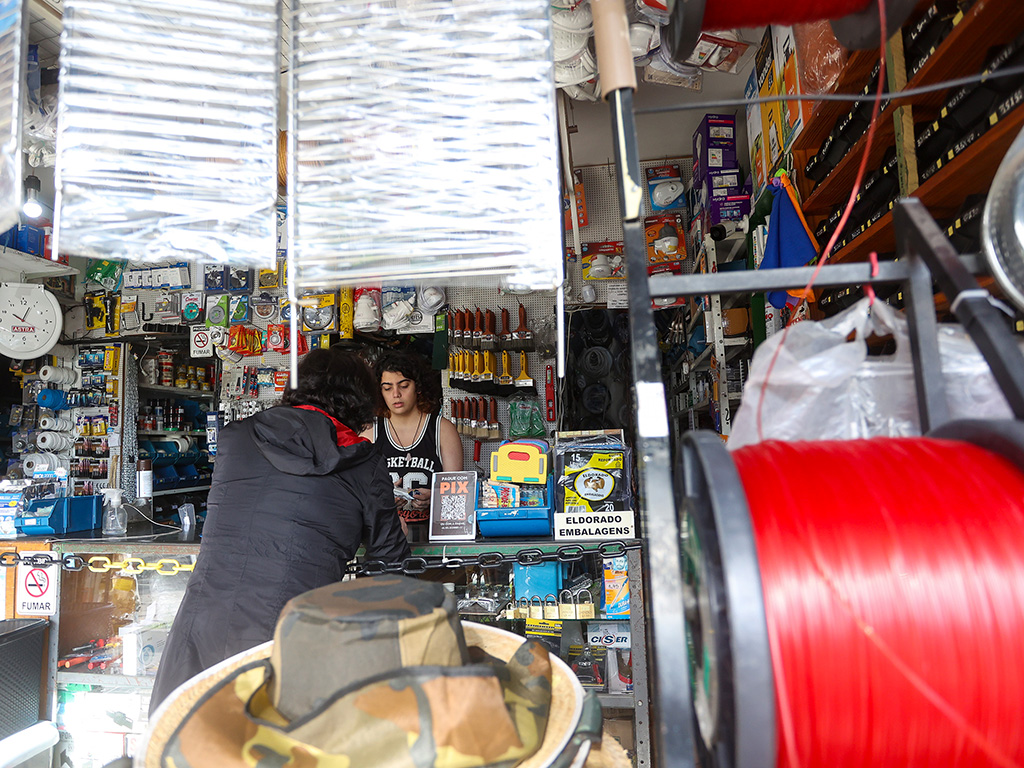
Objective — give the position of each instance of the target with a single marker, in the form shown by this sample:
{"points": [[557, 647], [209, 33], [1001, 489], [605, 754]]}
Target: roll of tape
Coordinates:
{"points": [[35, 462], [56, 375], [53, 441], [55, 423]]}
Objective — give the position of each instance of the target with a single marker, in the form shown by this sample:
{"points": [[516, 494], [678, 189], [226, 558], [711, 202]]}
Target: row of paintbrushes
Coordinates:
{"points": [[471, 418], [477, 371], [475, 329], [95, 655]]}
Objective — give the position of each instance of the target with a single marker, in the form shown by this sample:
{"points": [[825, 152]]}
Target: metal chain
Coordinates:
{"points": [[166, 566], [410, 566], [567, 553]]}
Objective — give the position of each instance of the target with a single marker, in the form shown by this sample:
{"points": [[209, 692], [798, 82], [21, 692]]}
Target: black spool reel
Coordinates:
{"points": [[728, 656]]}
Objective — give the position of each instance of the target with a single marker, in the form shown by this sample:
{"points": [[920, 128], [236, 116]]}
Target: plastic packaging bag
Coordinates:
{"points": [[821, 57], [824, 387]]}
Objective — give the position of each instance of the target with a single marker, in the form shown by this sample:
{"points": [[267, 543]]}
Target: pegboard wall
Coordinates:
{"points": [[605, 220], [540, 306]]}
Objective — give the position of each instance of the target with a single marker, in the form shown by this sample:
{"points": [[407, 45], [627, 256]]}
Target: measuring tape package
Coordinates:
{"points": [[594, 475]]}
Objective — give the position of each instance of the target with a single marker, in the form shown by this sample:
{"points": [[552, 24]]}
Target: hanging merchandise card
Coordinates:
{"points": [[618, 295]]}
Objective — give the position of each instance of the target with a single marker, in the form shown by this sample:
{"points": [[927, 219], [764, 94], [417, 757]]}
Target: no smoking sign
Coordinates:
{"points": [[36, 593], [200, 344]]}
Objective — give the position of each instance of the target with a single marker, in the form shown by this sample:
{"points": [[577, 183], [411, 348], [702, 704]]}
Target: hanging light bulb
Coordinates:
{"points": [[32, 207]]}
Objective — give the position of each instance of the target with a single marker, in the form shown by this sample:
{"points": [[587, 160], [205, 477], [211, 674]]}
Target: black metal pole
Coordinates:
{"points": [[670, 682], [918, 234]]}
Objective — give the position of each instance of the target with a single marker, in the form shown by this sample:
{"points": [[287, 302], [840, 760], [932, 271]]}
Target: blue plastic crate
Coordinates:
{"points": [[517, 521], [68, 514]]}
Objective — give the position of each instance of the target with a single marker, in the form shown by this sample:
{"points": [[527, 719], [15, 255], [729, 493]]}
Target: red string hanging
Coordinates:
{"points": [[893, 575]]}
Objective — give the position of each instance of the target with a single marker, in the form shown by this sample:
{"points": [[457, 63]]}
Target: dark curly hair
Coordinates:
{"points": [[338, 382], [428, 392]]}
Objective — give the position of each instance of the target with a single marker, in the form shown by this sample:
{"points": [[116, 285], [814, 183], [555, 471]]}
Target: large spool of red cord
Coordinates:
{"points": [[892, 573]]}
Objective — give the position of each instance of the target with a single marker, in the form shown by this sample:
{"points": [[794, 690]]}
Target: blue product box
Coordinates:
{"points": [[30, 240], [539, 580], [9, 239], [517, 521]]}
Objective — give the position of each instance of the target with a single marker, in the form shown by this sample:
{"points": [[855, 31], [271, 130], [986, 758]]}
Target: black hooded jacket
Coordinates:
{"points": [[287, 510]]}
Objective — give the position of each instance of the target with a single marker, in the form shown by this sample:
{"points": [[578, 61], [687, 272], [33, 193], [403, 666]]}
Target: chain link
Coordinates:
{"points": [[567, 553], [410, 566], [97, 563]]}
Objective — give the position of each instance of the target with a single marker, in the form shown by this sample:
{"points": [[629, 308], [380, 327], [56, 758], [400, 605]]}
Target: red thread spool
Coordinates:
{"points": [[754, 13], [893, 578]]}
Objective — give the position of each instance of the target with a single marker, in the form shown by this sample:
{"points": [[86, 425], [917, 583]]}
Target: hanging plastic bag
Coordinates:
{"points": [[824, 387]]}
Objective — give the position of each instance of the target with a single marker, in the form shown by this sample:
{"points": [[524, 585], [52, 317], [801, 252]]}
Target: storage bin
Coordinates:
{"points": [[517, 521], [30, 240], [21, 673]]}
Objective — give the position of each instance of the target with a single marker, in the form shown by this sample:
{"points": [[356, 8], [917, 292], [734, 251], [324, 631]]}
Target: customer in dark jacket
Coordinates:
{"points": [[295, 490]]}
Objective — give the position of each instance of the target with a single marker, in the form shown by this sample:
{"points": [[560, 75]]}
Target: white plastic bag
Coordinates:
{"points": [[824, 387]]}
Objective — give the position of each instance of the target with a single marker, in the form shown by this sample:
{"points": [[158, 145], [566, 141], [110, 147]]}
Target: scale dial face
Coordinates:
{"points": [[30, 320]]}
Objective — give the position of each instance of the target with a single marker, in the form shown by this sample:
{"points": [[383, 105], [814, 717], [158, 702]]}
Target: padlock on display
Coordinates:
{"points": [[585, 610], [551, 607], [523, 608], [536, 607], [566, 608]]}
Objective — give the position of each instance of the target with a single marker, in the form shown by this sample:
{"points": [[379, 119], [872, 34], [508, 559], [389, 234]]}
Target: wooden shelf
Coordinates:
{"points": [[963, 51], [823, 119], [835, 188], [986, 24], [942, 193]]}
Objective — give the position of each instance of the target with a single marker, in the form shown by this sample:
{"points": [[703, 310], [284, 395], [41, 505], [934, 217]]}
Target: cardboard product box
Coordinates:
{"points": [[714, 144], [788, 78], [735, 322], [141, 647], [755, 138], [731, 208], [771, 113], [718, 181]]}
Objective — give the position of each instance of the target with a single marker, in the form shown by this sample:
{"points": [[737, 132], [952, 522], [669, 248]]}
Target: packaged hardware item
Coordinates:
{"points": [[603, 260], [594, 478], [665, 186], [499, 495], [367, 309], [666, 243], [616, 587]]}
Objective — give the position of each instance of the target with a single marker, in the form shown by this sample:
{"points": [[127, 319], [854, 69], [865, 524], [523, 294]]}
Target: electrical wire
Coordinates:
{"points": [[150, 519], [847, 97], [869, 141]]}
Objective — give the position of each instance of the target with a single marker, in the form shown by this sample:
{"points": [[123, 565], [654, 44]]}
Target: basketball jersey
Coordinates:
{"points": [[414, 465]]}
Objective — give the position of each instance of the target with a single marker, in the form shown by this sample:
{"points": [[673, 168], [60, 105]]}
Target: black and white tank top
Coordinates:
{"points": [[414, 465]]}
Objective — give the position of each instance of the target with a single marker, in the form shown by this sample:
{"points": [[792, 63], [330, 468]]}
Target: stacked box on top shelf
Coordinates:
{"points": [[718, 191]]}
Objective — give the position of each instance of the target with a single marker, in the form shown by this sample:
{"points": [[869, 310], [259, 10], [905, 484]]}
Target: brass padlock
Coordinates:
{"points": [[585, 610], [566, 608], [522, 608], [551, 607], [536, 608]]}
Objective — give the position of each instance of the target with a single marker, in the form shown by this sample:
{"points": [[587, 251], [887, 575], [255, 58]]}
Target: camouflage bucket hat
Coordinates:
{"points": [[372, 672]]}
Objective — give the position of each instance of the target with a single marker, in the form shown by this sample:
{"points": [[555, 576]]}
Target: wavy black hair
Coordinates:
{"points": [[414, 367], [338, 382]]}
